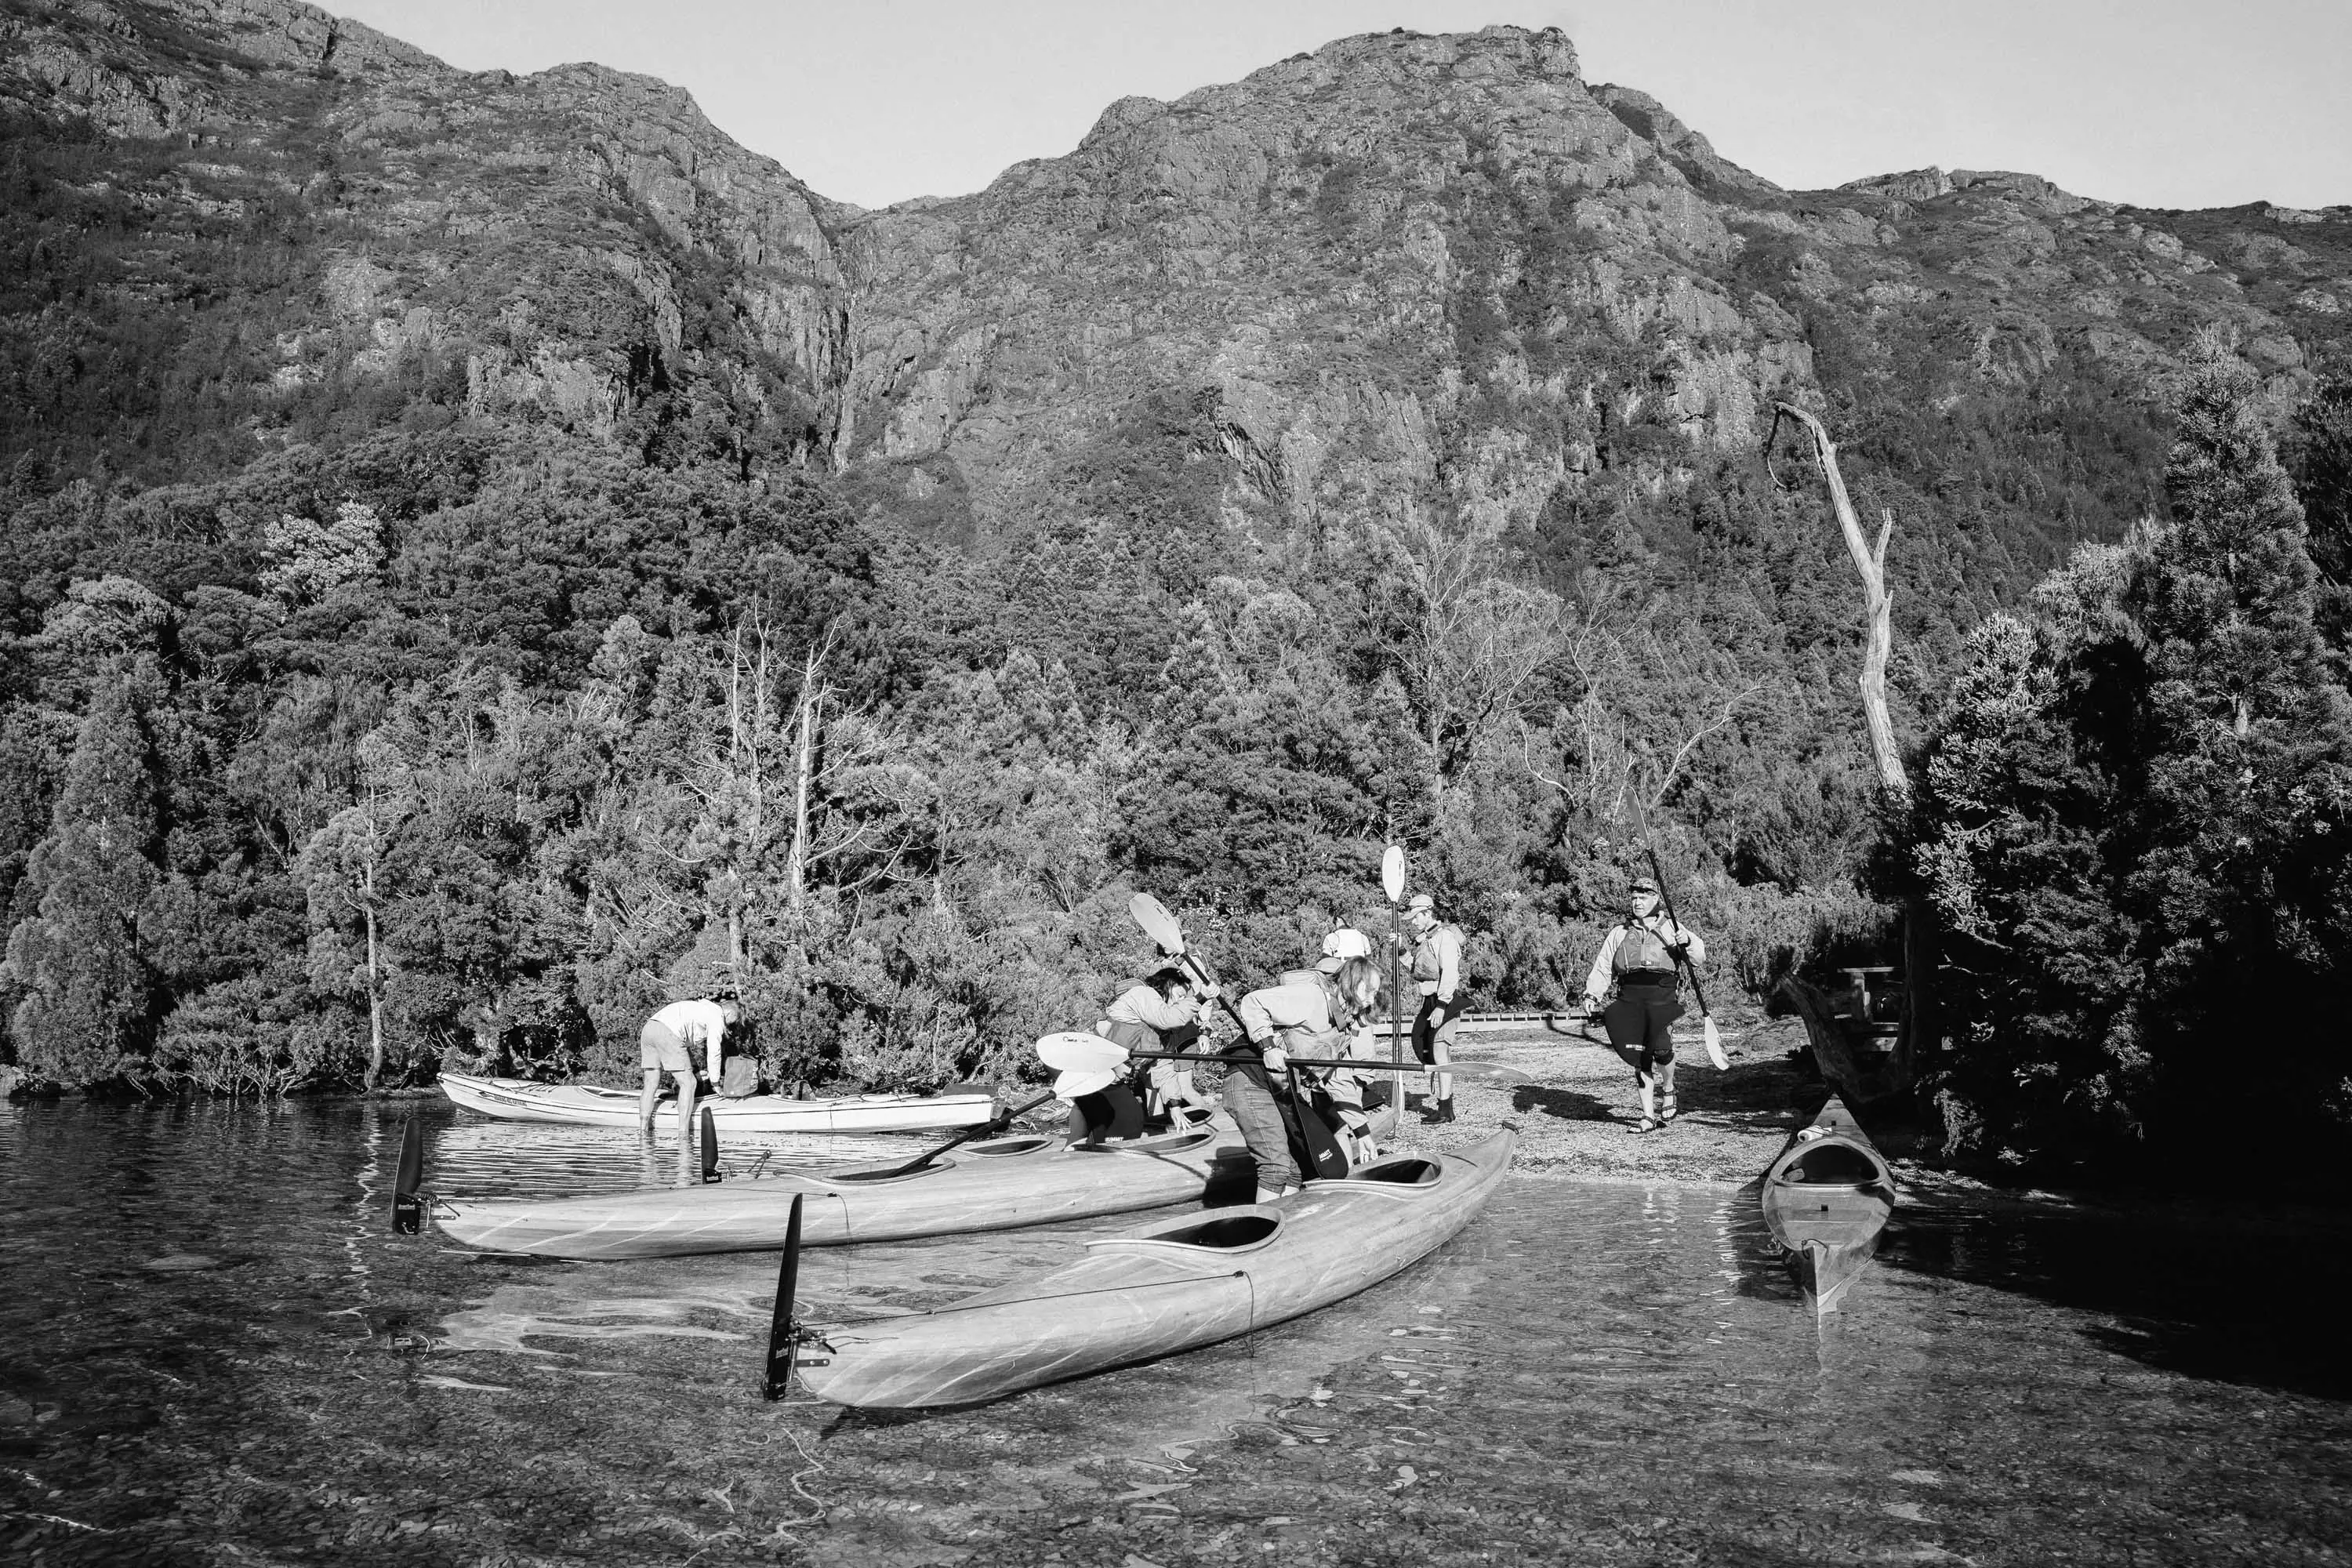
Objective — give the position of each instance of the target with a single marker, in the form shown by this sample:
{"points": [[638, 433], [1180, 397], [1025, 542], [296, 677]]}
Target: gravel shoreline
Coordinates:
{"points": [[1576, 1119]]}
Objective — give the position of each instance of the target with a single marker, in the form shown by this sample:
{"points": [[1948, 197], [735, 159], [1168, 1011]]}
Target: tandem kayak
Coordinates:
{"points": [[1170, 1287], [1003, 1183], [1826, 1199], [516, 1099]]}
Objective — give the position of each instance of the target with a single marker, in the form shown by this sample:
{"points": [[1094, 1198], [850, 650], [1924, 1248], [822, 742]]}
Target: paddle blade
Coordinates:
{"points": [[1324, 1154], [407, 1208], [1071, 1085], [1077, 1051], [709, 1147], [1392, 872], [783, 1329], [1150, 914], [1714, 1044]]}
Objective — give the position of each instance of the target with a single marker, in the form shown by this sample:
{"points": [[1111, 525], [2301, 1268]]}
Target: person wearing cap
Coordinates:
{"points": [[1313, 1012], [1641, 956], [1437, 975]]}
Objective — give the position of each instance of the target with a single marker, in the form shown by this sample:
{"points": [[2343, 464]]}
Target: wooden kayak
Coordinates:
{"points": [[515, 1100], [1003, 1183], [1826, 1199], [1174, 1286]]}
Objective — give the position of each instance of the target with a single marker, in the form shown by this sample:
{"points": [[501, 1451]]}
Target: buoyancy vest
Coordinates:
{"points": [[1640, 948], [1427, 966]]}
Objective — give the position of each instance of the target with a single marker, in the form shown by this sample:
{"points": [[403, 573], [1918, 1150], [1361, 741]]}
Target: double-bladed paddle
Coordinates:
{"points": [[710, 1172], [988, 1129], [1077, 1054], [1392, 884], [1323, 1149]]}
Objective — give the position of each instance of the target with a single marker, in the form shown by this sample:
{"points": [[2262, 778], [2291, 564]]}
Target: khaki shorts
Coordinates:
{"points": [[659, 1047]]}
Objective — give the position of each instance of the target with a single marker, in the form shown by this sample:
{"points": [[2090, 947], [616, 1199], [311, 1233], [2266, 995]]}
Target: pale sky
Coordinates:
{"points": [[2166, 103]]}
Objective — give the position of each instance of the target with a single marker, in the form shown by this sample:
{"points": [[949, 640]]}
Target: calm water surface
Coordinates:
{"points": [[212, 1351]]}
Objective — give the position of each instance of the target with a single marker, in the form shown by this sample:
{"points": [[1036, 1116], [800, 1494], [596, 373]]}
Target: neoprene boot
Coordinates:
{"points": [[1444, 1111]]}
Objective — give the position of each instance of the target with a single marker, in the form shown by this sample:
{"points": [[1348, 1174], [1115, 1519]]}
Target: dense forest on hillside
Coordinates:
{"points": [[363, 714]]}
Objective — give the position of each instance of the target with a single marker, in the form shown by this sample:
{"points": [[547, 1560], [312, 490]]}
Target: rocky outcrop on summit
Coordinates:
{"points": [[1402, 275]]}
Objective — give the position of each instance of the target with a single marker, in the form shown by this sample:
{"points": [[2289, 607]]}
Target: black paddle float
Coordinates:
{"points": [[786, 1335], [407, 1207]]}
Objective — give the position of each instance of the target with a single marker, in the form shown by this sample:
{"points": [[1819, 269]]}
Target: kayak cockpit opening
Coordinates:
{"points": [[1221, 1231], [897, 1172], [1836, 1164], [1026, 1145], [1401, 1173]]}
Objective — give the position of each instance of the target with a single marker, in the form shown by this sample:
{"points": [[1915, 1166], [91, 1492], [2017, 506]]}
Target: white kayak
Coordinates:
{"points": [[1170, 1287], [1003, 1183], [516, 1099]]}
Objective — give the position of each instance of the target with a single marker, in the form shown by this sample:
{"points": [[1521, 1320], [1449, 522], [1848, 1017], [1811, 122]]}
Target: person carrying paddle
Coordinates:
{"points": [[665, 1045], [1643, 956], [1158, 1014], [1314, 1013], [1437, 975]]}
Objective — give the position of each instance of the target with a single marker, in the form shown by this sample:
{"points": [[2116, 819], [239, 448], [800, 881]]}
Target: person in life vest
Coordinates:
{"points": [[1437, 975], [1641, 957], [666, 1044], [1353, 1094], [1312, 1012], [1162, 1012]]}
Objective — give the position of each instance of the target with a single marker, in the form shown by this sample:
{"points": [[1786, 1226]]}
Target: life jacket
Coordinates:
{"points": [[1640, 948], [1427, 965]]}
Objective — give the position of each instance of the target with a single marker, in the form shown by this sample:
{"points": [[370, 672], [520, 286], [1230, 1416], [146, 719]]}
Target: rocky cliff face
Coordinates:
{"points": [[1407, 272]]}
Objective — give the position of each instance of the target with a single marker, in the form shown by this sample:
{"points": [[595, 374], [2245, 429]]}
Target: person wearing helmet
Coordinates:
{"points": [[1643, 956], [1437, 975], [1313, 1012]]}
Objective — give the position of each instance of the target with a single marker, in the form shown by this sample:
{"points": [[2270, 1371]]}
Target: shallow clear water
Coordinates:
{"points": [[213, 1350]]}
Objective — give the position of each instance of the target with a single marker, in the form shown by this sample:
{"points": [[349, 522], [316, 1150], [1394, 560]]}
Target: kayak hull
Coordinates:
{"points": [[1174, 1286], [1826, 1199], [1002, 1183], [515, 1100]]}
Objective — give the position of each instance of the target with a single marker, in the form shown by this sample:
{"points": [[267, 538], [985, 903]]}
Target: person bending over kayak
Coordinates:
{"points": [[1353, 1094], [1313, 1014], [1158, 1014], [1437, 975], [665, 1045], [1642, 955]]}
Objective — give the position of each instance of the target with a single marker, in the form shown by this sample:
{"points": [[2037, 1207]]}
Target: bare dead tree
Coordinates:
{"points": [[1877, 598], [1921, 937]]}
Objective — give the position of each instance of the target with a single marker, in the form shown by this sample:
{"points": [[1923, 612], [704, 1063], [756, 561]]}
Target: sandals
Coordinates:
{"points": [[1649, 1124], [1667, 1110]]}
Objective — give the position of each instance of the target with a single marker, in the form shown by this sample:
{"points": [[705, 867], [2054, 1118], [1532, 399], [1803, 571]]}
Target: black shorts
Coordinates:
{"points": [[1434, 1016], [1639, 1024]]}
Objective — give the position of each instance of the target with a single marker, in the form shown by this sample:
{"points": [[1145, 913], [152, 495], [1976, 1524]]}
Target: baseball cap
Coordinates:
{"points": [[1421, 902], [1645, 885]]}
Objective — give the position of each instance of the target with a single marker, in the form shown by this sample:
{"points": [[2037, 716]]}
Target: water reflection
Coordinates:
{"points": [[1593, 1373]]}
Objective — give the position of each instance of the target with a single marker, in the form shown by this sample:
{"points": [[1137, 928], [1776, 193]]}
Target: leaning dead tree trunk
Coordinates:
{"points": [[1878, 599], [1920, 946]]}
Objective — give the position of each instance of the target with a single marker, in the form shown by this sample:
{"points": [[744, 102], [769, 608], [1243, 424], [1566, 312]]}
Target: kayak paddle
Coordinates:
{"points": [[1707, 1031], [786, 1333], [1323, 1149], [407, 1208], [709, 1147], [988, 1129]]}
